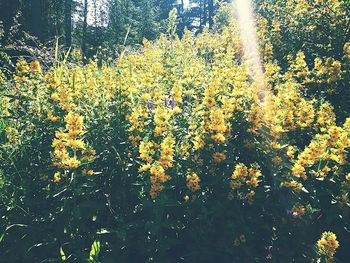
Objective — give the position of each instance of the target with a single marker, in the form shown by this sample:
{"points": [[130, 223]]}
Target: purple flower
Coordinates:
{"points": [[166, 102], [172, 103], [150, 105], [269, 255]]}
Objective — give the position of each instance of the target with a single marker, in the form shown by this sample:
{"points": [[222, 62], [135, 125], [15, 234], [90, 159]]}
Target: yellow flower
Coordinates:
{"points": [[217, 121], [144, 168], [186, 198], [71, 163], [198, 142], [325, 116], [219, 157], [12, 134], [300, 66], [57, 177], [55, 97], [167, 152], [74, 124], [219, 137], [67, 142], [240, 171], [35, 67], [146, 150], [327, 246], [158, 178], [177, 93], [243, 176], [161, 120], [348, 177], [250, 196], [77, 144], [193, 182], [52, 117], [293, 184], [298, 211], [176, 110], [290, 152], [347, 51], [299, 171]]}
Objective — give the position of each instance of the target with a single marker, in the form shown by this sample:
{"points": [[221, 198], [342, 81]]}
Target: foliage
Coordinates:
{"points": [[223, 16], [174, 153], [168, 151], [320, 29]]}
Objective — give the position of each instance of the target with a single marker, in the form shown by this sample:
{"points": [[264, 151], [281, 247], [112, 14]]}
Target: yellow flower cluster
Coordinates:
{"points": [[12, 135], [325, 117], [57, 177], [157, 169], [298, 170], [35, 68], [22, 71], [263, 33], [158, 178], [167, 152], [327, 246], [327, 72], [217, 125], [146, 150], [286, 111], [186, 113], [298, 67], [189, 103], [244, 176], [162, 116], [219, 157], [347, 51], [193, 182], [296, 186], [328, 151], [69, 150], [138, 121]]}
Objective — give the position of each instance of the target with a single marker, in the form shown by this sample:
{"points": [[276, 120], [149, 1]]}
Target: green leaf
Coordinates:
{"points": [[94, 252], [63, 255]]}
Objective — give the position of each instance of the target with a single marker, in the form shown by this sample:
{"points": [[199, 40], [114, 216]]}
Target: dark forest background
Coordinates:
{"points": [[90, 26]]}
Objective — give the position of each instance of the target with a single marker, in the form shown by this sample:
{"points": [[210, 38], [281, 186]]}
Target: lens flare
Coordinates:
{"points": [[186, 4], [249, 39]]}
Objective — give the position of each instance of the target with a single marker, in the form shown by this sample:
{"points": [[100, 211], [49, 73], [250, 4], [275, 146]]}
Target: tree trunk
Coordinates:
{"points": [[204, 13], [36, 19], [211, 13], [83, 42], [201, 15], [95, 22], [68, 22]]}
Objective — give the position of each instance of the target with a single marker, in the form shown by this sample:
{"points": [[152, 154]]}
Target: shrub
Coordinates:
{"points": [[174, 154]]}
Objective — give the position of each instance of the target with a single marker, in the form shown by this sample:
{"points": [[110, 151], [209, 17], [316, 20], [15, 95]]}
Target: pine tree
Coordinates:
{"points": [[68, 22], [83, 41]]}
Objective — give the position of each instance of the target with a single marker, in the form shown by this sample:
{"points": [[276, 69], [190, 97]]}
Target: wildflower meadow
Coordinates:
{"points": [[176, 152]]}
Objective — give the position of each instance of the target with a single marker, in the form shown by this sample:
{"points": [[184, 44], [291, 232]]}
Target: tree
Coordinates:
{"points": [[210, 13], [149, 27], [68, 22], [36, 19], [85, 14]]}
